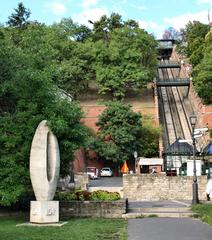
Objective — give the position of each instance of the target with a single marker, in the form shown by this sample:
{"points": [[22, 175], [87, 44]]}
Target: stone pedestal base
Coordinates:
{"points": [[44, 211]]}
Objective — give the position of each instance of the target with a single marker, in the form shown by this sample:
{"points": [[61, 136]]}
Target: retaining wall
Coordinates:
{"points": [[161, 187], [109, 209]]}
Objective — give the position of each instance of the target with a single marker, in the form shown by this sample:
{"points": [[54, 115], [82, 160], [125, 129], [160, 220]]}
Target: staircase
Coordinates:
{"points": [[173, 209]]}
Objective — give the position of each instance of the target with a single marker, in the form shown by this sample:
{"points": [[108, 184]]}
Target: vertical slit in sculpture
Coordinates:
{"points": [[49, 158]]}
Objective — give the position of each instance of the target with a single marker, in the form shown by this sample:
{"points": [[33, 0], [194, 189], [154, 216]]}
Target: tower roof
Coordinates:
{"points": [[178, 148]]}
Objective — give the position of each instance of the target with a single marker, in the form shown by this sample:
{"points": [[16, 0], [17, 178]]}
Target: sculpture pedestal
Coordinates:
{"points": [[44, 211]]}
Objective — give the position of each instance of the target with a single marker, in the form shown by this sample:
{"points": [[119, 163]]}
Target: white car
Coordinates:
{"points": [[106, 172], [92, 172]]}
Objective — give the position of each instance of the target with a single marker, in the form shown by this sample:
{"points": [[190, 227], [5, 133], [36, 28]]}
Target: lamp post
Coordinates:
{"points": [[193, 121], [135, 156]]}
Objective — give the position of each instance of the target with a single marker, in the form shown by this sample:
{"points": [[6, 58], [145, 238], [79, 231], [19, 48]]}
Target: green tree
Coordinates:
{"points": [[26, 81], [197, 43], [105, 25], [73, 30], [202, 73], [20, 18], [202, 78], [131, 23], [193, 36], [73, 69], [150, 139], [197, 46], [120, 130], [127, 61]]}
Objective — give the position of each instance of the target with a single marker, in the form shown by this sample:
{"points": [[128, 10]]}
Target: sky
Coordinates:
{"points": [[153, 15]]}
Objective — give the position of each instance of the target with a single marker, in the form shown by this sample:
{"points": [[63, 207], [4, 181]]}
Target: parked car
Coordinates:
{"points": [[106, 172], [92, 172]]}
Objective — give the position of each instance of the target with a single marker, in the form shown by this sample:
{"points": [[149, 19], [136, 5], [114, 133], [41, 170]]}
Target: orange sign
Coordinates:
{"points": [[124, 168]]}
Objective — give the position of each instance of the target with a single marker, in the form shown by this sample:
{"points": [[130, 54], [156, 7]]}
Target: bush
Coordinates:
{"points": [[65, 196], [80, 195], [83, 195], [105, 196]]}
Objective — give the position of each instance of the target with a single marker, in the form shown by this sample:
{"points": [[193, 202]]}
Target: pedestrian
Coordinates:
{"points": [[153, 171], [209, 190]]}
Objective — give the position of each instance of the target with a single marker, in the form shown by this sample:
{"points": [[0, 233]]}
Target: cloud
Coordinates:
{"points": [[89, 3], [93, 14], [180, 21], [204, 1], [57, 8], [152, 27]]}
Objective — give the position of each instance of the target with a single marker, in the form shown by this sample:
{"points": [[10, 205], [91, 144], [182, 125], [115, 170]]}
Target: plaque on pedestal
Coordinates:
{"points": [[44, 211]]}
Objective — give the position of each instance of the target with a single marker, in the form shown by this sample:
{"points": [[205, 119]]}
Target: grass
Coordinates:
{"points": [[75, 229], [204, 212]]}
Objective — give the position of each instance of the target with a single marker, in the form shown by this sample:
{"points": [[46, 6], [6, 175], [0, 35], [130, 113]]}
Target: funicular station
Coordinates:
{"points": [[174, 113]]}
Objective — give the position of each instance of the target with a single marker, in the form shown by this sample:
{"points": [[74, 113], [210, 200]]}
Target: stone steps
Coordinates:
{"points": [[158, 214], [160, 209], [174, 212]]}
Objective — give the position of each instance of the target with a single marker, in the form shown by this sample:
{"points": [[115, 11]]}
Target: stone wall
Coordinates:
{"points": [[81, 180], [110, 209], [161, 187]]}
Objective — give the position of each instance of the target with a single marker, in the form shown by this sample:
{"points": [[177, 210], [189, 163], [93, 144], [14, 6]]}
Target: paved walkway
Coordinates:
{"points": [[160, 203], [106, 182], [168, 229]]}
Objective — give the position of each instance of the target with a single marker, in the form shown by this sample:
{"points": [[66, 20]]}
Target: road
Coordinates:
{"points": [[106, 182]]}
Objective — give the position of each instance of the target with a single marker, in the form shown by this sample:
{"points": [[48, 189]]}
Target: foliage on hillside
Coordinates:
{"points": [[126, 59], [117, 55], [197, 45], [202, 73]]}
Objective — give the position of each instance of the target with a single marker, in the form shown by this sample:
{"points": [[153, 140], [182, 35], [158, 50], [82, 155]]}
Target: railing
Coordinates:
{"points": [[172, 82], [170, 64]]}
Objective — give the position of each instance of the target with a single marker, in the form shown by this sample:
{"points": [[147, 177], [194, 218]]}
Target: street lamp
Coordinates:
{"points": [[193, 121], [135, 156]]}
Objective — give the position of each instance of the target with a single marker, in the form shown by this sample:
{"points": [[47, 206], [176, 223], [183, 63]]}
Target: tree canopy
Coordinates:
{"points": [[198, 48], [127, 61], [119, 132], [40, 64], [28, 95], [202, 73], [20, 17]]}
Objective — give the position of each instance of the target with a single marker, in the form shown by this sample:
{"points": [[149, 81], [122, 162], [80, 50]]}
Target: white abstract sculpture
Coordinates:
{"points": [[44, 174]]}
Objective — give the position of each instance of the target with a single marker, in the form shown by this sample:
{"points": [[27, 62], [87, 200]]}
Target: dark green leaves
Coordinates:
{"points": [[119, 133], [20, 17]]}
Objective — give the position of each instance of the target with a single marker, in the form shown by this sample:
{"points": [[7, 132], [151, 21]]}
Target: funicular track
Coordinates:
{"points": [[166, 116], [182, 109], [173, 112], [175, 108]]}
